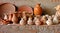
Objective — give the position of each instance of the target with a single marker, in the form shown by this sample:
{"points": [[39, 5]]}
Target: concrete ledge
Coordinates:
{"points": [[29, 29]]}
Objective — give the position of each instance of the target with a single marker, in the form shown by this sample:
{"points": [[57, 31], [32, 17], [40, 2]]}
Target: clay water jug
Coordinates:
{"points": [[38, 10]]}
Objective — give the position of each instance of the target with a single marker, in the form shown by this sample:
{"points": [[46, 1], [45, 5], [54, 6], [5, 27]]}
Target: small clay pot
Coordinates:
{"points": [[15, 18], [30, 22], [22, 22], [37, 22]]}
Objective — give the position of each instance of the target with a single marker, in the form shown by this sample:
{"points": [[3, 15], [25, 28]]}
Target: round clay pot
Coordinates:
{"points": [[25, 8], [6, 8], [38, 10]]}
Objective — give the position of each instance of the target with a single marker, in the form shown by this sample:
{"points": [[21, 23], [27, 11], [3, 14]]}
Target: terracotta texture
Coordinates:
{"points": [[25, 8]]}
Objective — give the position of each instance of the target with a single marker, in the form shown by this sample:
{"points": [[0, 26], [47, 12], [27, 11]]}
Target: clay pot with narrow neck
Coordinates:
{"points": [[38, 10], [15, 18]]}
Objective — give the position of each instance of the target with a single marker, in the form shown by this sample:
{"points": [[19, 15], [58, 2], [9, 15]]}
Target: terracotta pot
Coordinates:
{"points": [[26, 8], [38, 10], [6, 8], [30, 22], [37, 22]]}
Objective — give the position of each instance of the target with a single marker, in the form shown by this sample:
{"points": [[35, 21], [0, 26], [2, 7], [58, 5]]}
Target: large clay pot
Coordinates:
{"points": [[37, 10], [26, 8], [6, 8]]}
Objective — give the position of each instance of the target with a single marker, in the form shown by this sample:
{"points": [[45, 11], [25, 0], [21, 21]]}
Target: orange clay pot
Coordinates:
{"points": [[37, 10]]}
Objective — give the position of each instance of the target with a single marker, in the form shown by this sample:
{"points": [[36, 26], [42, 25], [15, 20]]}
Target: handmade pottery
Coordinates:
{"points": [[49, 21], [55, 20], [38, 10], [37, 22], [22, 22], [30, 22]]}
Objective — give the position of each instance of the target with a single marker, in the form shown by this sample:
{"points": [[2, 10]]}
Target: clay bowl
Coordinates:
{"points": [[25, 8], [6, 8]]}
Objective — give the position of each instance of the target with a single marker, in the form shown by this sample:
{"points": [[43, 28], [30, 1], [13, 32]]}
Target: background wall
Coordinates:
{"points": [[47, 5]]}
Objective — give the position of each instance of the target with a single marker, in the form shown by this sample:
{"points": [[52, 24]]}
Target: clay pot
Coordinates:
{"points": [[30, 22], [38, 10], [37, 22], [15, 18], [22, 22], [55, 20], [6, 8], [43, 19], [49, 22], [25, 8]]}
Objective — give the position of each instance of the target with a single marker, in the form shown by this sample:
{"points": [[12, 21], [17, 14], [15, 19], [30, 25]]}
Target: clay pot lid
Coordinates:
{"points": [[25, 8], [6, 8]]}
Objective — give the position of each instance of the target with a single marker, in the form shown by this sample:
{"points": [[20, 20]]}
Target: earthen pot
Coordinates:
{"points": [[37, 22], [22, 22], [30, 22], [6, 8], [38, 10], [26, 8]]}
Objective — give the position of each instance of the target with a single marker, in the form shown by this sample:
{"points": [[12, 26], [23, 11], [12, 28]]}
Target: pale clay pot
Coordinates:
{"points": [[22, 22], [30, 22]]}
